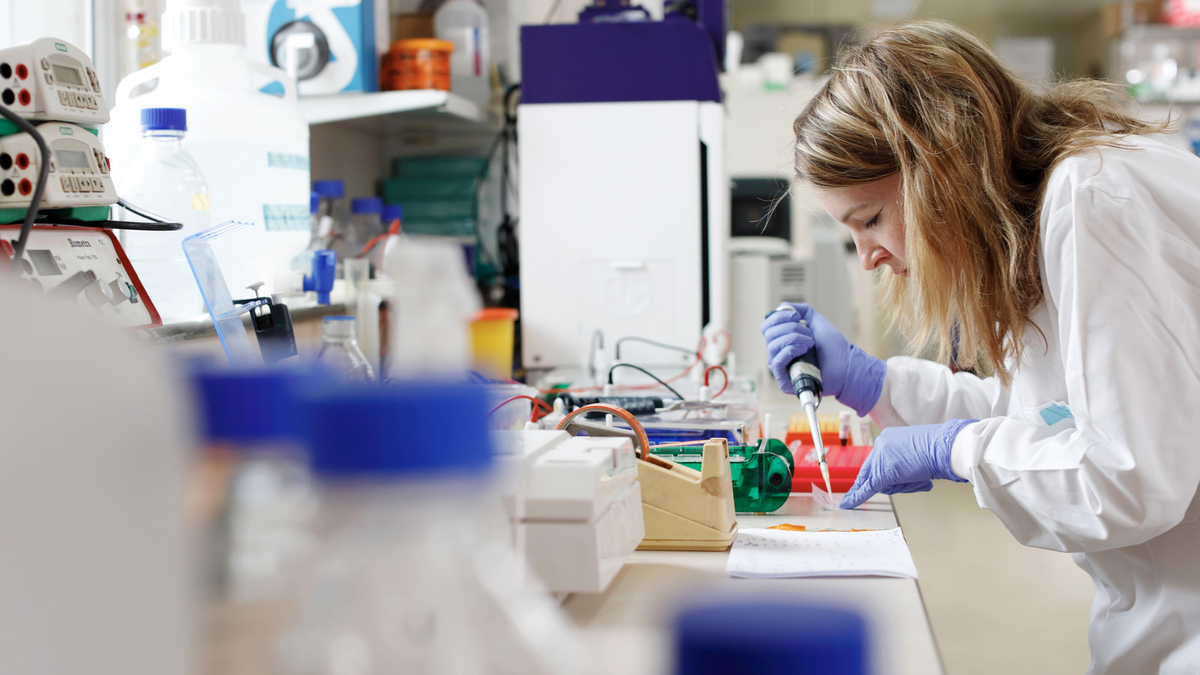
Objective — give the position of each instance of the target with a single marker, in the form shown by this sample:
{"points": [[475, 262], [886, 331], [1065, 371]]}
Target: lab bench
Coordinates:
{"points": [[628, 626]]}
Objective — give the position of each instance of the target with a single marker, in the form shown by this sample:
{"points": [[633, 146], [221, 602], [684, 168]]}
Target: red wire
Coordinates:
{"points": [[723, 373], [533, 417], [393, 229]]}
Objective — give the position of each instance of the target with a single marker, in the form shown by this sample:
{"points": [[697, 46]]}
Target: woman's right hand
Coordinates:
{"points": [[847, 373]]}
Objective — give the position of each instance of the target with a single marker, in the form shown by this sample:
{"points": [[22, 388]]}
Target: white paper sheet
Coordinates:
{"points": [[825, 499], [776, 554]]}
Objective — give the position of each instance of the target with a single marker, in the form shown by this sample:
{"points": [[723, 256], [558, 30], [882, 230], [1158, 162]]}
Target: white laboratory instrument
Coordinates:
{"points": [[50, 79], [623, 228], [82, 266], [582, 512], [762, 280], [79, 174]]}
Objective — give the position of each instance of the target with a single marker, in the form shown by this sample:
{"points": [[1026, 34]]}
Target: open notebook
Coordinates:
{"points": [[778, 553]]}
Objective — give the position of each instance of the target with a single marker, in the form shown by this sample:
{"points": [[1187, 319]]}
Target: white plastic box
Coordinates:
{"points": [[582, 513]]}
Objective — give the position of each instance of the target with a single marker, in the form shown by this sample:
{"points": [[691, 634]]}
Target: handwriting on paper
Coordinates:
{"points": [[760, 553], [824, 498]]}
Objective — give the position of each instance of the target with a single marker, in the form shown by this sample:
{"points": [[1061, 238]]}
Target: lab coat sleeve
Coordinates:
{"points": [[1125, 470], [918, 391]]}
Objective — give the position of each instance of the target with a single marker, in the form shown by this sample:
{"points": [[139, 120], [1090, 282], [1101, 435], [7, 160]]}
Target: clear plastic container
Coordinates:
{"points": [[434, 298], [340, 352], [465, 23], [166, 181]]}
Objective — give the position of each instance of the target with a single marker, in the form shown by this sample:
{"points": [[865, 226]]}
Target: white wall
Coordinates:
{"points": [[25, 20]]}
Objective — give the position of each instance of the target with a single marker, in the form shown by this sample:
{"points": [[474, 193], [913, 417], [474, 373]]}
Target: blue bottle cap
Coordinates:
{"points": [[769, 637], [413, 428], [171, 119], [248, 406], [392, 212], [314, 202], [360, 205], [329, 189]]}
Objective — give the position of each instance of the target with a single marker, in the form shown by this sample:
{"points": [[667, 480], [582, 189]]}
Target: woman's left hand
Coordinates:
{"points": [[906, 459]]}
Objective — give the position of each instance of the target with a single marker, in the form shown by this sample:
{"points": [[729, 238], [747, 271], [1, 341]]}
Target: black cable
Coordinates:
{"points": [[152, 217], [119, 225], [652, 375], [506, 234], [634, 338], [35, 205]]}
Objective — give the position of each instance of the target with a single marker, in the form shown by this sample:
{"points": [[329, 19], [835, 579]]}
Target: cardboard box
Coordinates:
{"points": [[1118, 16]]}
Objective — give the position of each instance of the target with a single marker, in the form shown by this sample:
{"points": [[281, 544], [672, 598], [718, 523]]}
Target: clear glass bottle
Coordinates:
{"points": [[165, 180], [320, 228], [340, 352], [333, 214], [365, 222], [257, 522], [413, 577]]}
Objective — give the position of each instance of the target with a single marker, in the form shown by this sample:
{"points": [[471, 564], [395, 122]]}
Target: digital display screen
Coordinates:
{"points": [[68, 75], [72, 159], [44, 263]]}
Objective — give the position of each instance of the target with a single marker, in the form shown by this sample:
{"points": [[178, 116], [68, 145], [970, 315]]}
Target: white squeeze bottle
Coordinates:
{"points": [[251, 146], [465, 23], [163, 179]]}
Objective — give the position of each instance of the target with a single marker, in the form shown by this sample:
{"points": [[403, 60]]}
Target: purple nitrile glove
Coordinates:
{"points": [[849, 374], [906, 459]]}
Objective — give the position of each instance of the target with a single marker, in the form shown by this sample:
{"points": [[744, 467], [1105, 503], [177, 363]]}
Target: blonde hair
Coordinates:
{"points": [[974, 148]]}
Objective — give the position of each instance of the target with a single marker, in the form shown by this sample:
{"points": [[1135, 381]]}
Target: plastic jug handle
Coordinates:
{"points": [[133, 81], [278, 75]]}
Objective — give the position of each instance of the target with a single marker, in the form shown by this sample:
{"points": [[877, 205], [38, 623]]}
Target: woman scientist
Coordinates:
{"points": [[1044, 238]]}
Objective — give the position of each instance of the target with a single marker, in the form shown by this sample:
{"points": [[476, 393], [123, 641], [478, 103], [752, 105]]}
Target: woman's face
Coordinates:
{"points": [[874, 212]]}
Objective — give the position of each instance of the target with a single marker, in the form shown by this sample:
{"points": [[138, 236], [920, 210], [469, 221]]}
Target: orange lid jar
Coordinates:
{"points": [[418, 63]]}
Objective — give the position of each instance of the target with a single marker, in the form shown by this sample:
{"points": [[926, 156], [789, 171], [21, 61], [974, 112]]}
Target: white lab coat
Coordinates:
{"points": [[1116, 486]]}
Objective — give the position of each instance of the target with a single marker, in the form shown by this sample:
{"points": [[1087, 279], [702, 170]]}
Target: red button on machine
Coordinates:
{"points": [[25, 187], [22, 71], [22, 161], [24, 97]]}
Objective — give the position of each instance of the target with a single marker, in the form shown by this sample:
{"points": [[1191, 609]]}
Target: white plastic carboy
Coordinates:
{"points": [[252, 145]]}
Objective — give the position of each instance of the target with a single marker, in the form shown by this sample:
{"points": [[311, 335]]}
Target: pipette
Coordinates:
{"points": [[806, 379]]}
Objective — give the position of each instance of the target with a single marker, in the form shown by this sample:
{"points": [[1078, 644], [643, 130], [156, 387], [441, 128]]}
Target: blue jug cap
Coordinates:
{"points": [[414, 427], [248, 406], [171, 119], [366, 205], [314, 202], [769, 637], [392, 212], [329, 189]]}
